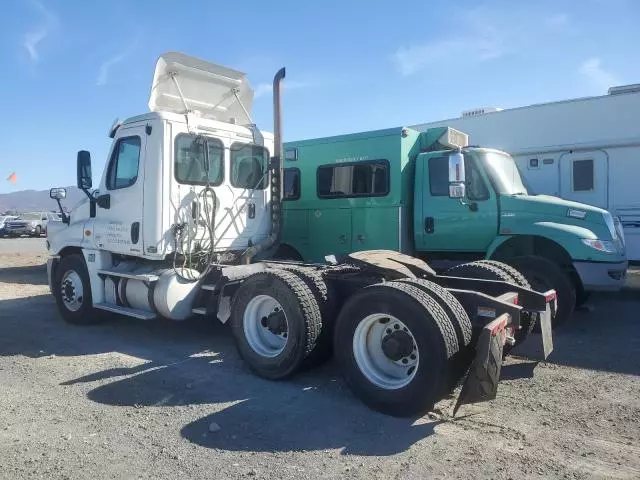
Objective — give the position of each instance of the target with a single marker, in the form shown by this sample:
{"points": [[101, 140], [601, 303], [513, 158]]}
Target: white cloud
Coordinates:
{"points": [[558, 20], [103, 75], [482, 34], [598, 76], [33, 38], [482, 40], [263, 89]]}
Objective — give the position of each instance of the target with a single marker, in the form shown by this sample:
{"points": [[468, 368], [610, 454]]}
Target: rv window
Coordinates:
{"points": [[291, 184], [249, 166], [190, 160], [548, 161], [123, 167], [582, 175], [362, 179], [533, 163]]}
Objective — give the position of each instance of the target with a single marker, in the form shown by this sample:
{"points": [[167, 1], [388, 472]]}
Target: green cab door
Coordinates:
{"points": [[446, 224]]}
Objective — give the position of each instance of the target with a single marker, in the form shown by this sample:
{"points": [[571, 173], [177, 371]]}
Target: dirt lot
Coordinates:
{"points": [[129, 399]]}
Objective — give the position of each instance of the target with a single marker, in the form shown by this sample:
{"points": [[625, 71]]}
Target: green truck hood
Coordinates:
{"points": [[547, 216], [551, 207]]}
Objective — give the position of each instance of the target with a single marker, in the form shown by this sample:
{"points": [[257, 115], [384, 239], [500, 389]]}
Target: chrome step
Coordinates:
{"points": [[129, 312], [144, 277], [200, 311], [209, 286]]}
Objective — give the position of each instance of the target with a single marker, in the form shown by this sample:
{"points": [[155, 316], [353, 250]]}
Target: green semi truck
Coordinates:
{"points": [[389, 189]]}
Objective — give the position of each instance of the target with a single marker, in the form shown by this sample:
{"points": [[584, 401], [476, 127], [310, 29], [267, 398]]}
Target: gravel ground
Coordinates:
{"points": [[129, 399]]}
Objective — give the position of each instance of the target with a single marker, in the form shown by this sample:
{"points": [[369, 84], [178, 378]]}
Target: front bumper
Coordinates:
{"points": [[602, 276]]}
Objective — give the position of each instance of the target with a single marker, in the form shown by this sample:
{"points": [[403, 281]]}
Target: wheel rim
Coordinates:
{"points": [[385, 351], [71, 290], [265, 326]]}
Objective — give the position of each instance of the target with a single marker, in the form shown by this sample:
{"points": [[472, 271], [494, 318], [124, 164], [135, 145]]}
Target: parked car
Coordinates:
{"points": [[3, 220], [33, 224]]}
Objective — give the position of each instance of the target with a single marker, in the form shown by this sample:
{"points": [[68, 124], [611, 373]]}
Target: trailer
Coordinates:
{"points": [[187, 220], [582, 149]]}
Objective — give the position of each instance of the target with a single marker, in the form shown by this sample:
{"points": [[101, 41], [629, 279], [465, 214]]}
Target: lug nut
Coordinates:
{"points": [[405, 361], [412, 356], [396, 326]]}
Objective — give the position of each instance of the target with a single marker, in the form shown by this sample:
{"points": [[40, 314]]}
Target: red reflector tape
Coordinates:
{"points": [[515, 299], [497, 325], [550, 295]]}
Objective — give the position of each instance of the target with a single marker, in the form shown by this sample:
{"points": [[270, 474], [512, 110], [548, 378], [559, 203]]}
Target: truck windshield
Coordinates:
{"points": [[504, 173]]}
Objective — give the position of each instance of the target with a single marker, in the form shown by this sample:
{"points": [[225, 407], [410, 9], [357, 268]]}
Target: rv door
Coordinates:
{"points": [[584, 177]]}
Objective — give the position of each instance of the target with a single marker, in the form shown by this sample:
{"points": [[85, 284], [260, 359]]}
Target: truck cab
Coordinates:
{"points": [[194, 162], [500, 217]]}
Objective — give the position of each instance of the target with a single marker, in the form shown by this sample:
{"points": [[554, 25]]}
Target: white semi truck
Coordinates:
{"points": [[187, 219]]}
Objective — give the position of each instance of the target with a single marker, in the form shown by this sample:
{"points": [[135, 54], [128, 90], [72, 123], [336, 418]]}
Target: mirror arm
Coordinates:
{"points": [[65, 217]]}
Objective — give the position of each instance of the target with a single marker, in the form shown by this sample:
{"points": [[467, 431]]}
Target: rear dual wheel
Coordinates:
{"points": [[395, 344], [276, 322]]}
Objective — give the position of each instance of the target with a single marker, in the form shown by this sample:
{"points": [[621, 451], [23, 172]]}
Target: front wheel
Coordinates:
{"points": [[72, 291], [38, 231], [543, 275]]}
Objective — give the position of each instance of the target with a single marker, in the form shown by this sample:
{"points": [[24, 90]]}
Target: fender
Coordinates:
{"points": [[552, 231]]}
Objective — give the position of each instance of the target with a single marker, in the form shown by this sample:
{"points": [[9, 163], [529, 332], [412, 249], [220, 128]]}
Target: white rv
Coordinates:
{"points": [[584, 149]]}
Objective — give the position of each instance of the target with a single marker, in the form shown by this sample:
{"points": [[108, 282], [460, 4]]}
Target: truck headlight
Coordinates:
{"points": [[606, 246]]}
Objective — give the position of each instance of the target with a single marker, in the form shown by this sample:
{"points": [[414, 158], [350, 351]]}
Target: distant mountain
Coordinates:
{"points": [[34, 200]]}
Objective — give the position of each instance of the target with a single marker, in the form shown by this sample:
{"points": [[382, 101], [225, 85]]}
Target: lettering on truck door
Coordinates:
{"points": [[118, 228]]}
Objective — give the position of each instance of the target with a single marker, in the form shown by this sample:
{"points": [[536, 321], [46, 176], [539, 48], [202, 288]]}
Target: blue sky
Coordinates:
{"points": [[70, 67]]}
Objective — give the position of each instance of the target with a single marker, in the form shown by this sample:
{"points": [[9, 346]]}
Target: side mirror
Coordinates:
{"points": [[456, 175], [84, 170], [58, 193]]}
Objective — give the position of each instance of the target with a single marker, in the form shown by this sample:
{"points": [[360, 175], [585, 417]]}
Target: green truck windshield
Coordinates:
{"points": [[504, 173]]}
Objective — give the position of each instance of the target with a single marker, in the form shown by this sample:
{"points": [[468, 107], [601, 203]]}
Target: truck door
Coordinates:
{"points": [[445, 224], [118, 228], [583, 177], [248, 212]]}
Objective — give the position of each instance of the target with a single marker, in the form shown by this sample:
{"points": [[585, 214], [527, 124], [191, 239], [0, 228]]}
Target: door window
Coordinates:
{"points": [[439, 178], [582, 175], [291, 184], [192, 157], [123, 167], [248, 166]]}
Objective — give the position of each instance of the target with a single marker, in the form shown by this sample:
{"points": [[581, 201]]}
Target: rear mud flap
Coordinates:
{"points": [[481, 383]]}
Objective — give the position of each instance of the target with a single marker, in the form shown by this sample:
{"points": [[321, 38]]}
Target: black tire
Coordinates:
{"points": [[480, 270], [450, 304], [543, 274], [458, 315], [435, 339], [488, 270], [529, 319], [85, 314], [303, 317], [38, 231], [582, 296], [325, 295]]}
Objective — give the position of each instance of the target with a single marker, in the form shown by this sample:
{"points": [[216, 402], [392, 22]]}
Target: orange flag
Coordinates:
{"points": [[13, 178]]}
